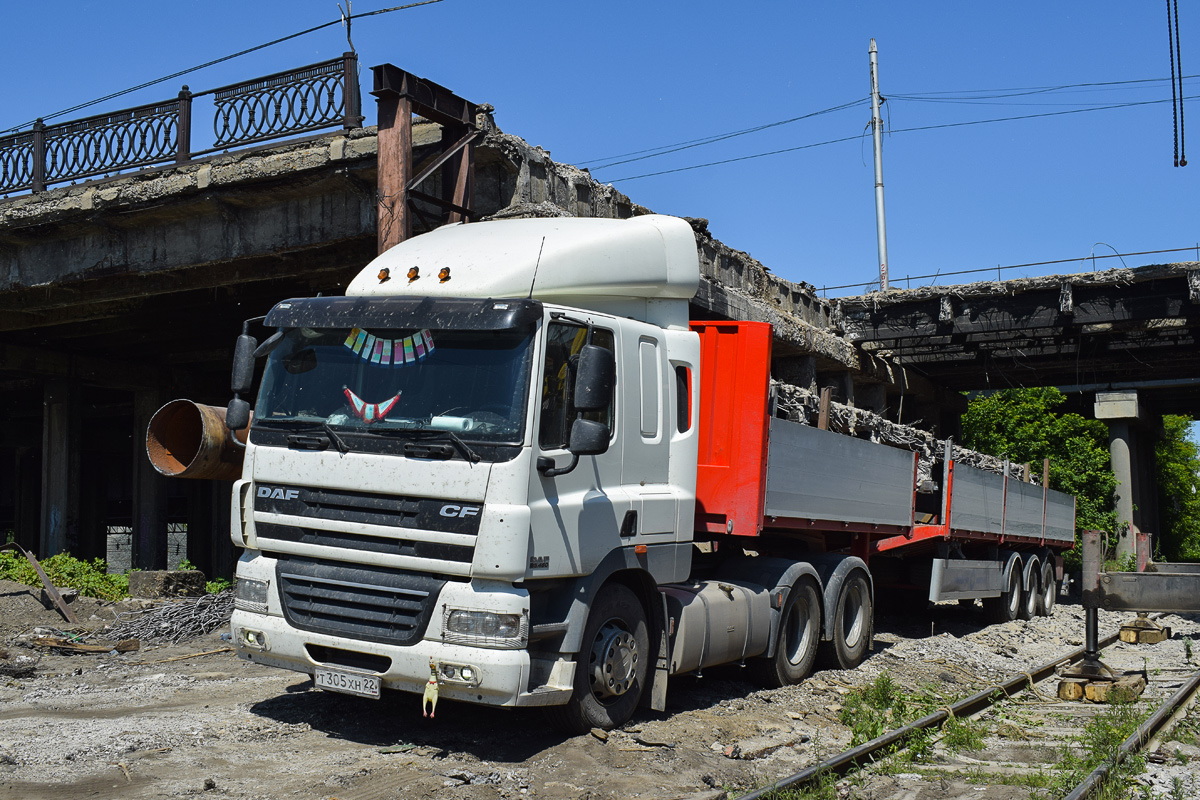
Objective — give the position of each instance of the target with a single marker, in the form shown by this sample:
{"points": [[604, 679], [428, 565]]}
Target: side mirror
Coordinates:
{"points": [[589, 438], [243, 364], [237, 415], [595, 376]]}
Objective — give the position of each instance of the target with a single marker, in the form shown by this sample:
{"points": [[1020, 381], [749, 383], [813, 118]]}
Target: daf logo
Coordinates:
{"points": [[459, 511], [277, 493]]}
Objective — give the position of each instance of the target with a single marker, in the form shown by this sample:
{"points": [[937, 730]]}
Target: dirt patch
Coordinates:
{"points": [[167, 721]]}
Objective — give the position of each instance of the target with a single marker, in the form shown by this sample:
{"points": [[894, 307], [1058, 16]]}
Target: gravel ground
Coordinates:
{"points": [[142, 725]]}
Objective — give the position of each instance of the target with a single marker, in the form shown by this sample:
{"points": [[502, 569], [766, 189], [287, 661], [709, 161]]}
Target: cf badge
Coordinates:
{"points": [[459, 511]]}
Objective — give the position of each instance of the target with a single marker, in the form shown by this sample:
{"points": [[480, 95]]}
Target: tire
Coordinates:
{"points": [[1031, 594], [1006, 607], [796, 644], [1049, 594], [611, 666], [852, 624]]}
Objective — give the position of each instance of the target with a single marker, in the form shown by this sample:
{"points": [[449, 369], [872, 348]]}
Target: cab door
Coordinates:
{"points": [[575, 517]]}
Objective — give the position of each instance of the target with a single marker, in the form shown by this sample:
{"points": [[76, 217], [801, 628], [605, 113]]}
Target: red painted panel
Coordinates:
{"points": [[735, 379]]}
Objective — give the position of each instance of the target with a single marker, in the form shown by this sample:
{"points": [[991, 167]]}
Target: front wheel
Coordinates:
{"points": [[851, 624], [796, 645], [610, 669]]}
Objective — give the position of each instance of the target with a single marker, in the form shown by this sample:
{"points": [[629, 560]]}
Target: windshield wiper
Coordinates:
{"points": [[333, 437], [315, 443], [452, 437]]}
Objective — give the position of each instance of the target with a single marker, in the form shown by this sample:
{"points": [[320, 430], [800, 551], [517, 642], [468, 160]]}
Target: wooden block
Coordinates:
{"points": [[1127, 689], [1153, 637], [1133, 635], [1071, 688]]}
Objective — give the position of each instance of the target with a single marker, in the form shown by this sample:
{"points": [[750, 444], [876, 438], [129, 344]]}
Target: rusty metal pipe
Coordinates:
{"points": [[190, 440]]}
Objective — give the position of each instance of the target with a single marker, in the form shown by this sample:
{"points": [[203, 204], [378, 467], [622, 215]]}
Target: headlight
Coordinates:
{"points": [[485, 628], [251, 595]]}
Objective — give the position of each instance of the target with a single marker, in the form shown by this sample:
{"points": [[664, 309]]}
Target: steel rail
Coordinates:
{"points": [[1137, 739], [969, 705]]}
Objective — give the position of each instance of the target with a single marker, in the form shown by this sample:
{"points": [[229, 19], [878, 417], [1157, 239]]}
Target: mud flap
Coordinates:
{"points": [[656, 698]]}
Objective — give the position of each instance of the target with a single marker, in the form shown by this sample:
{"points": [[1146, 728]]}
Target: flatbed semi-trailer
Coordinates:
{"points": [[507, 463]]}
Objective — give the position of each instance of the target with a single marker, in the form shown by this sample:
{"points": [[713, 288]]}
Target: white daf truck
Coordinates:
{"points": [[507, 464]]}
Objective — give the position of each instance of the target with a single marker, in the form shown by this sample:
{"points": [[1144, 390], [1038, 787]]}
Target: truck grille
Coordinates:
{"points": [[372, 509], [367, 603], [366, 543]]}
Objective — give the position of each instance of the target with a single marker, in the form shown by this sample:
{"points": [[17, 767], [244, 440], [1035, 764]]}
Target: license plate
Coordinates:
{"points": [[347, 682]]}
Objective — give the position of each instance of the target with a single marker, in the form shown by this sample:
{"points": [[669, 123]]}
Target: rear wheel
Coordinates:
{"points": [[1006, 607], [851, 623], [1031, 593], [610, 669], [1049, 595], [796, 645]]}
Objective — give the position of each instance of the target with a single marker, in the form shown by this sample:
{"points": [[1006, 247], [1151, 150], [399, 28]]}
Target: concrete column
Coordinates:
{"points": [[149, 490], [26, 492], [873, 397], [208, 544], [842, 384], [799, 371], [1120, 451], [60, 468], [1120, 411]]}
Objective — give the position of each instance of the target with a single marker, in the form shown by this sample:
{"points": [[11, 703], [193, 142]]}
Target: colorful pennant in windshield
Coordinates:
{"points": [[390, 352], [369, 412]]}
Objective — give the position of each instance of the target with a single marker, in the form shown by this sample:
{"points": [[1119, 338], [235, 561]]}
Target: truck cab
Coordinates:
{"points": [[451, 465]]}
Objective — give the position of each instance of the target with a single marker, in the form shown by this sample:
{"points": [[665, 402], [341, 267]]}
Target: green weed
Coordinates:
{"points": [[1100, 741], [91, 578], [962, 734]]}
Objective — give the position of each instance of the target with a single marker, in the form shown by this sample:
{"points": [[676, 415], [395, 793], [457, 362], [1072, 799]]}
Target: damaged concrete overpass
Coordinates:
{"points": [[121, 293], [1122, 344]]}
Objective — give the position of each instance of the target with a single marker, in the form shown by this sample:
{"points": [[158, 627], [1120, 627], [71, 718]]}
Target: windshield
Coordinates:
{"points": [[395, 382]]}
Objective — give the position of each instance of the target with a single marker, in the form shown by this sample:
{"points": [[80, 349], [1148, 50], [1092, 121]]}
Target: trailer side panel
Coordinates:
{"points": [[821, 475]]}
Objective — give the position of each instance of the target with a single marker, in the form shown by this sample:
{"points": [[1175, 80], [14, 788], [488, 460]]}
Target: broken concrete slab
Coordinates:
{"points": [[166, 583]]}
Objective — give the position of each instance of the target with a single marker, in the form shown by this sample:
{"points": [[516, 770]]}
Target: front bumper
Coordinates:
{"points": [[501, 674]]}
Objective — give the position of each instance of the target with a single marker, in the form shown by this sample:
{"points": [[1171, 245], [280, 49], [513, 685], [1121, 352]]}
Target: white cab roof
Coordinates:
{"points": [[651, 256]]}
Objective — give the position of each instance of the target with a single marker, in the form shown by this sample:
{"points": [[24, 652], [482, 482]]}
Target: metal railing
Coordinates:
{"points": [[274, 106]]}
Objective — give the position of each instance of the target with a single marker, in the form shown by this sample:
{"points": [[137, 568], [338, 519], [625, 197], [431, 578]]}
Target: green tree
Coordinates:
{"points": [[1178, 463], [1022, 425]]}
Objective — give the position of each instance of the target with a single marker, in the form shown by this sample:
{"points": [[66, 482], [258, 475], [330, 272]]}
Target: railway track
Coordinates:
{"points": [[1018, 736]]}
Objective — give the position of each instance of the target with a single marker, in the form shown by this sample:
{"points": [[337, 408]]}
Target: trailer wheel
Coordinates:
{"points": [[610, 670], [1006, 607], [796, 645], [1031, 594], [851, 623], [1049, 595]]}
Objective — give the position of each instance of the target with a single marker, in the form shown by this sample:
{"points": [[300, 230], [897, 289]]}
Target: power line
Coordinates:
{"points": [[238, 54], [1092, 257], [896, 130], [1035, 116], [1017, 91], [719, 137], [740, 158]]}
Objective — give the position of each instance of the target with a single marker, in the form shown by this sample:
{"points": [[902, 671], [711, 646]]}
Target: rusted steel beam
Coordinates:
{"points": [[395, 153], [431, 164], [432, 101], [51, 591]]}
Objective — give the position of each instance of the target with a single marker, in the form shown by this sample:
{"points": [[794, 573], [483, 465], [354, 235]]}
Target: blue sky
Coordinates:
{"points": [[590, 81]]}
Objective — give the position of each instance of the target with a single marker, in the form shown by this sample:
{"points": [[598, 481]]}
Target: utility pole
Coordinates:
{"points": [[877, 135]]}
